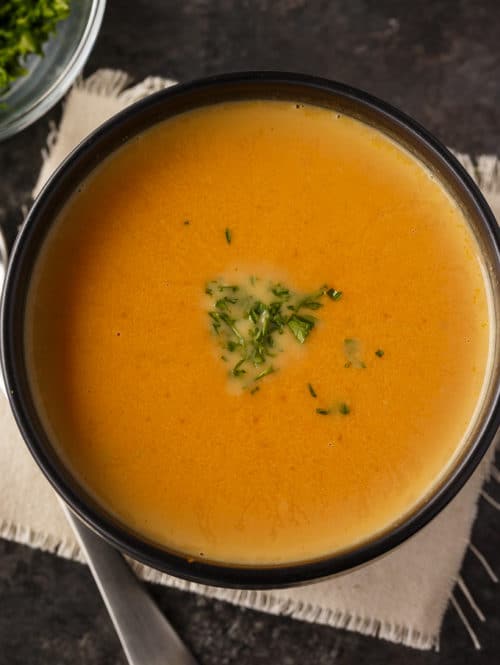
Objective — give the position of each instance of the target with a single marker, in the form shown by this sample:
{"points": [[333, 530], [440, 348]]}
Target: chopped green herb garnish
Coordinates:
{"points": [[379, 353], [311, 390], [25, 26], [186, 222], [311, 301], [237, 369], [348, 364], [230, 323], [224, 358], [250, 326], [254, 390], [333, 294], [221, 304], [228, 236], [300, 327], [216, 322], [266, 372], [311, 304], [343, 408], [280, 291]]}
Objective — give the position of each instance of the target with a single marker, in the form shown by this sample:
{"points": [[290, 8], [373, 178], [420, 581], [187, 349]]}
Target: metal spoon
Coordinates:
{"points": [[145, 634]]}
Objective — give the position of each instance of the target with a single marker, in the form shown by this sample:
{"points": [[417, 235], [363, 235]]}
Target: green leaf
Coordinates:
{"points": [[333, 294], [300, 327], [280, 291], [216, 322], [266, 372], [311, 304], [230, 323], [237, 369], [221, 303]]}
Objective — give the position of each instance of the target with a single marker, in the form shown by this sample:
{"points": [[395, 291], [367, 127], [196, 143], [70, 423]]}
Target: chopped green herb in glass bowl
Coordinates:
{"points": [[43, 46]]}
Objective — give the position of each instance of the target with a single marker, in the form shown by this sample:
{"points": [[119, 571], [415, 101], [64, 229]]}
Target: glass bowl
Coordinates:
{"points": [[50, 77]]}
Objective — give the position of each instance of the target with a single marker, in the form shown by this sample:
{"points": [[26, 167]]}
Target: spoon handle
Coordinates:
{"points": [[146, 636]]}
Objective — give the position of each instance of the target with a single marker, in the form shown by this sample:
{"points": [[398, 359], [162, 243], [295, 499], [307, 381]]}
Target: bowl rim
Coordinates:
{"points": [[206, 572], [60, 85]]}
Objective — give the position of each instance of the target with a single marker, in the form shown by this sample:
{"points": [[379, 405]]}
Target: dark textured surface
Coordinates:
{"points": [[438, 61]]}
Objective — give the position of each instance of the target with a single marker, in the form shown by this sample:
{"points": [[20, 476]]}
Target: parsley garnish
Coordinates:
{"points": [[250, 326], [264, 373], [300, 326], [310, 301], [237, 370], [379, 353], [280, 291], [333, 294], [228, 235], [24, 29], [311, 390], [342, 408]]}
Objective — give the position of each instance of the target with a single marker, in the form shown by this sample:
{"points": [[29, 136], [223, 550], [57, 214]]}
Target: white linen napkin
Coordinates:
{"points": [[401, 597]]}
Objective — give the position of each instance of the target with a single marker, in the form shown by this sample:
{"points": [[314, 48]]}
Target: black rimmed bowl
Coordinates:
{"points": [[87, 156]]}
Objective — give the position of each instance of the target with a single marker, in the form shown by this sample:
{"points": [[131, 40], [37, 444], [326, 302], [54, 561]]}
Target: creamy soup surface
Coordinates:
{"points": [[127, 366]]}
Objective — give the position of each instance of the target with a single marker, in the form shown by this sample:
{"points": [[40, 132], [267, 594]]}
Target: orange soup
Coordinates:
{"points": [[258, 332]]}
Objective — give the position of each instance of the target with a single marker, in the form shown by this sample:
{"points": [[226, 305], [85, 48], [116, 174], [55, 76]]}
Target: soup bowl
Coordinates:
{"points": [[87, 157]]}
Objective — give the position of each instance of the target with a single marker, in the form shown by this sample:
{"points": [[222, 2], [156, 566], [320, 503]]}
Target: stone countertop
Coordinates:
{"points": [[439, 62]]}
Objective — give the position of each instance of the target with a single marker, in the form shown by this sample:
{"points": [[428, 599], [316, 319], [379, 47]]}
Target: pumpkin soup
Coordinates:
{"points": [[258, 332]]}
